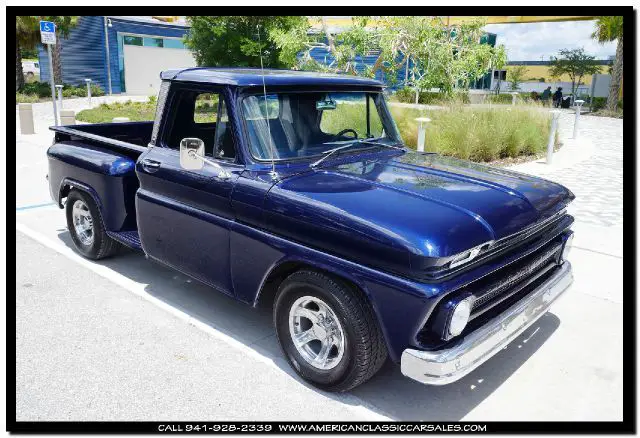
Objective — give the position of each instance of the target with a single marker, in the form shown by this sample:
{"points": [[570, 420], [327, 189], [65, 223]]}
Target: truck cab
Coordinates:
{"points": [[294, 190]]}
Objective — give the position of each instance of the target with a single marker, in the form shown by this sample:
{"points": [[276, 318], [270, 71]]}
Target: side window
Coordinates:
{"points": [[196, 115]]}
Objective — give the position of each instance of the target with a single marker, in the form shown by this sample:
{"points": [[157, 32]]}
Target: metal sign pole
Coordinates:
{"points": [[53, 89], [106, 45]]}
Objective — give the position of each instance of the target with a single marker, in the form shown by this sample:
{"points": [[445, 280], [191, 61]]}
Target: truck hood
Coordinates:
{"points": [[424, 205]]}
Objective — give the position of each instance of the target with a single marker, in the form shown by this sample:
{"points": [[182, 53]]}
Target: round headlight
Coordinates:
{"points": [[567, 247], [460, 317]]}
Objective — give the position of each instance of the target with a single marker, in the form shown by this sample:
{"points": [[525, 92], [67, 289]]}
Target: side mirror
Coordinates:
{"points": [[190, 148], [192, 157]]}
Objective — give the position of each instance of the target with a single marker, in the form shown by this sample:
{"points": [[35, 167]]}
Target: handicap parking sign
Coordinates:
{"points": [[47, 32]]}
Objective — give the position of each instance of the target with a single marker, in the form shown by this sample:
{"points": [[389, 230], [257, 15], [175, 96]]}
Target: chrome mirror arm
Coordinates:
{"points": [[222, 173]]}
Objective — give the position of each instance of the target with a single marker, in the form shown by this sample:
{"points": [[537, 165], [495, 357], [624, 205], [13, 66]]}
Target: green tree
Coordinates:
{"points": [[576, 64], [516, 76], [444, 57], [344, 47], [238, 41], [610, 29], [436, 55], [26, 39]]}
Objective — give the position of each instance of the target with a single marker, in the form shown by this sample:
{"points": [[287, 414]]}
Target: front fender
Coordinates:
{"points": [[399, 304]]}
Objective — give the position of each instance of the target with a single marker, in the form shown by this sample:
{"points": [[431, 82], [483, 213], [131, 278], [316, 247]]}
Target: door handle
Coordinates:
{"points": [[150, 165]]}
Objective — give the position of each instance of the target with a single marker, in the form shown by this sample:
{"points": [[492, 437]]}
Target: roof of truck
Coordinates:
{"points": [[253, 76]]}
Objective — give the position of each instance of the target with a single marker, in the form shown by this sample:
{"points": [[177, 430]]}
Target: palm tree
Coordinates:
{"points": [[26, 38], [610, 29]]}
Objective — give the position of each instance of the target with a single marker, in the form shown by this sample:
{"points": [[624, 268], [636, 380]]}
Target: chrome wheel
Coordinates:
{"points": [[82, 222], [316, 332]]}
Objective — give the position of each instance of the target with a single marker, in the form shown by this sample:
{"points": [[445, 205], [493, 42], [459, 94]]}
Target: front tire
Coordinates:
{"points": [[86, 228], [327, 331]]}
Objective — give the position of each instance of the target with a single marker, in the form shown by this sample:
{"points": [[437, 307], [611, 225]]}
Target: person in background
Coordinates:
{"points": [[546, 95], [557, 97]]}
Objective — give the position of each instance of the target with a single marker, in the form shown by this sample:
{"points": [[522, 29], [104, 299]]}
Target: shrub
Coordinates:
{"points": [[40, 89], [598, 103], [26, 98], [408, 95], [500, 98], [478, 134]]}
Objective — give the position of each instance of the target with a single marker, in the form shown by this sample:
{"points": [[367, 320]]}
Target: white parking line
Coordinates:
{"points": [[353, 403]]}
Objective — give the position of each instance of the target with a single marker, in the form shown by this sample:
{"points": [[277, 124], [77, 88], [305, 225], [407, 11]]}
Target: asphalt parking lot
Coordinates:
{"points": [[127, 339]]}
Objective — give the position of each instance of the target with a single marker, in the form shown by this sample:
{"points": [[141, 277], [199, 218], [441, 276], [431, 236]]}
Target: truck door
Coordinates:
{"points": [[184, 216]]}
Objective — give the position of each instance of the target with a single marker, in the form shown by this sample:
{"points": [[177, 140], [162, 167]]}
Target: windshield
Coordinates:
{"points": [[293, 125]]}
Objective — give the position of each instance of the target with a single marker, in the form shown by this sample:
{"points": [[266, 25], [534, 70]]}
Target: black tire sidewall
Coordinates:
{"points": [[290, 291], [92, 250]]}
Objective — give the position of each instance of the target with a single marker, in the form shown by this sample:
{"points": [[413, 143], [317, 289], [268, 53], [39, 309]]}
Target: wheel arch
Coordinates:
{"points": [[68, 184], [281, 270]]}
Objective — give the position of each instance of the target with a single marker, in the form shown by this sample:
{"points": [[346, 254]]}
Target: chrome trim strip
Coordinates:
{"points": [[446, 366]]}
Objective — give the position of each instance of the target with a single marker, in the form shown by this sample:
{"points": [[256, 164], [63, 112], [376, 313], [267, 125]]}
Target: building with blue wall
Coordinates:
{"points": [[84, 54]]}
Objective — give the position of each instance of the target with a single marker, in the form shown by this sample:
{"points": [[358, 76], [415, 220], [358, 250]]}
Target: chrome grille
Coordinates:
{"points": [[492, 289]]}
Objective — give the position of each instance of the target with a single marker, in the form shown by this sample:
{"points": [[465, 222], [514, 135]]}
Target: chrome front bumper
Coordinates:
{"points": [[446, 366]]}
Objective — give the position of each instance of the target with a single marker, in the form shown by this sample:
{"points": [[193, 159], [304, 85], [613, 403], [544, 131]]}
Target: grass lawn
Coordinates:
{"points": [[477, 134], [106, 112]]}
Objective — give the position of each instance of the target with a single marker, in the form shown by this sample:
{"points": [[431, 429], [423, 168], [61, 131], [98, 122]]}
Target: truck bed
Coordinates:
{"points": [[101, 159], [124, 137]]}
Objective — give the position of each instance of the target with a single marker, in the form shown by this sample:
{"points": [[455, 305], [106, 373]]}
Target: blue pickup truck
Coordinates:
{"points": [[294, 191]]}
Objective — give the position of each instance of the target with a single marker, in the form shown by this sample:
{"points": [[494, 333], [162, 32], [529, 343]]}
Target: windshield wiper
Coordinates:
{"points": [[330, 152]]}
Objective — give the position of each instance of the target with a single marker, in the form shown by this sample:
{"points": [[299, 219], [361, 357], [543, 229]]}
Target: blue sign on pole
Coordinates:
{"points": [[48, 32], [47, 26]]}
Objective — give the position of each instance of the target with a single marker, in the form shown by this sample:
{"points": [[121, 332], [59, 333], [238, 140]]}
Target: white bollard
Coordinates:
{"points": [[59, 87], [422, 131], [25, 114], [555, 115], [578, 103], [120, 119], [88, 81], [514, 95], [67, 117]]}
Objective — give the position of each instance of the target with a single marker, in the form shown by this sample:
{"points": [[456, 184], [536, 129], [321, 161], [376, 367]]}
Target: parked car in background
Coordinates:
{"points": [[31, 69], [293, 190]]}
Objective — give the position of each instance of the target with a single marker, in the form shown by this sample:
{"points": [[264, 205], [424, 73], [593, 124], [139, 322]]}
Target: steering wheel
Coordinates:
{"points": [[343, 132]]}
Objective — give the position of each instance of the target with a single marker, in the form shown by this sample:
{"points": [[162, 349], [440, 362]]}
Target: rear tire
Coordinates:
{"points": [[86, 228], [305, 301]]}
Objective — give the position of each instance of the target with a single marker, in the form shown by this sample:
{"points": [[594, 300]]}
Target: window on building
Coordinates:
{"points": [[170, 43], [153, 42], [131, 40]]}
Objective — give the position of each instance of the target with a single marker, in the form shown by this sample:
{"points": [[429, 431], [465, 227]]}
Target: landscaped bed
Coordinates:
{"points": [[508, 134]]}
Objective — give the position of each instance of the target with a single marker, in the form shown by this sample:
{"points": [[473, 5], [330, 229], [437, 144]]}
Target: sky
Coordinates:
{"points": [[531, 41]]}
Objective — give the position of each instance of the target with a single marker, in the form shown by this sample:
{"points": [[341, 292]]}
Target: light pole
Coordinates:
{"points": [[107, 24], [578, 103], [88, 81], [422, 132], [59, 87]]}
